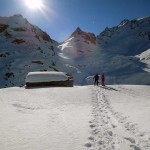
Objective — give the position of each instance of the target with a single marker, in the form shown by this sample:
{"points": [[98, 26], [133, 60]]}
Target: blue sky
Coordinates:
{"points": [[59, 18]]}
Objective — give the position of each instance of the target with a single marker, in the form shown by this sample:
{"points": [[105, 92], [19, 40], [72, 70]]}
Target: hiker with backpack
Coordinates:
{"points": [[96, 78]]}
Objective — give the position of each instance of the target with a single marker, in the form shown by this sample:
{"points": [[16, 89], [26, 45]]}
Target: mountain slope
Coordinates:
{"points": [[128, 38], [120, 45], [23, 48]]}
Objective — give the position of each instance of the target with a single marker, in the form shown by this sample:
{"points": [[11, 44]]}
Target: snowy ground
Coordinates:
{"points": [[79, 118], [122, 119]]}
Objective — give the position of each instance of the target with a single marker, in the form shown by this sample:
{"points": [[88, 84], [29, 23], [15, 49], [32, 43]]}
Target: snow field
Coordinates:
{"points": [[44, 118], [114, 117]]}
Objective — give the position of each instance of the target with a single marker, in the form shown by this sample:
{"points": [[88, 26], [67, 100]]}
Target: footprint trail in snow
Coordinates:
{"points": [[110, 130]]}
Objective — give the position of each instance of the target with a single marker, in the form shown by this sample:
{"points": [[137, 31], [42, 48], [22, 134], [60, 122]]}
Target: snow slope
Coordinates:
{"points": [[121, 44], [83, 117], [145, 58], [23, 48]]}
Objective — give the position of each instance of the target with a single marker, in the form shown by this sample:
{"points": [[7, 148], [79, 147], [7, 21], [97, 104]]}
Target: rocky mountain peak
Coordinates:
{"points": [[77, 31], [89, 37]]}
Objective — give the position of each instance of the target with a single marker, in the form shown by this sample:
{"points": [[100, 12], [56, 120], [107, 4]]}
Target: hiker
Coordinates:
{"points": [[96, 78], [103, 79]]}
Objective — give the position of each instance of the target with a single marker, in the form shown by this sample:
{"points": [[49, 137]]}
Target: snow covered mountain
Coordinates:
{"points": [[121, 52], [23, 48], [79, 44], [115, 52], [78, 55], [121, 45], [128, 38]]}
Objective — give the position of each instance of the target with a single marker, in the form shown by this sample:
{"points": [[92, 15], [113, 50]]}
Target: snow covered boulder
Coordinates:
{"points": [[49, 78]]}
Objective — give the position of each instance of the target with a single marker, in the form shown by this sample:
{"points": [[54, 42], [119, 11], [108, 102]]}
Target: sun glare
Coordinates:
{"points": [[34, 4]]}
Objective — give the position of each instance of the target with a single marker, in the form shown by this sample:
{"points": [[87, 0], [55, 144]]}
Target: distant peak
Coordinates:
{"points": [[124, 22], [143, 18], [78, 29], [87, 36]]}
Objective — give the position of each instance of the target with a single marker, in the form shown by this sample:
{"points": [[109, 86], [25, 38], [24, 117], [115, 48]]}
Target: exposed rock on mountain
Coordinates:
{"points": [[89, 37]]}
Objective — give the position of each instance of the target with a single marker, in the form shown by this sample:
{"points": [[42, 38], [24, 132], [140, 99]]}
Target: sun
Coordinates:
{"points": [[34, 4]]}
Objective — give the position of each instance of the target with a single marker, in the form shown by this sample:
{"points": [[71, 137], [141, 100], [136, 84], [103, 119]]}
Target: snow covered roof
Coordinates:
{"points": [[47, 76]]}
